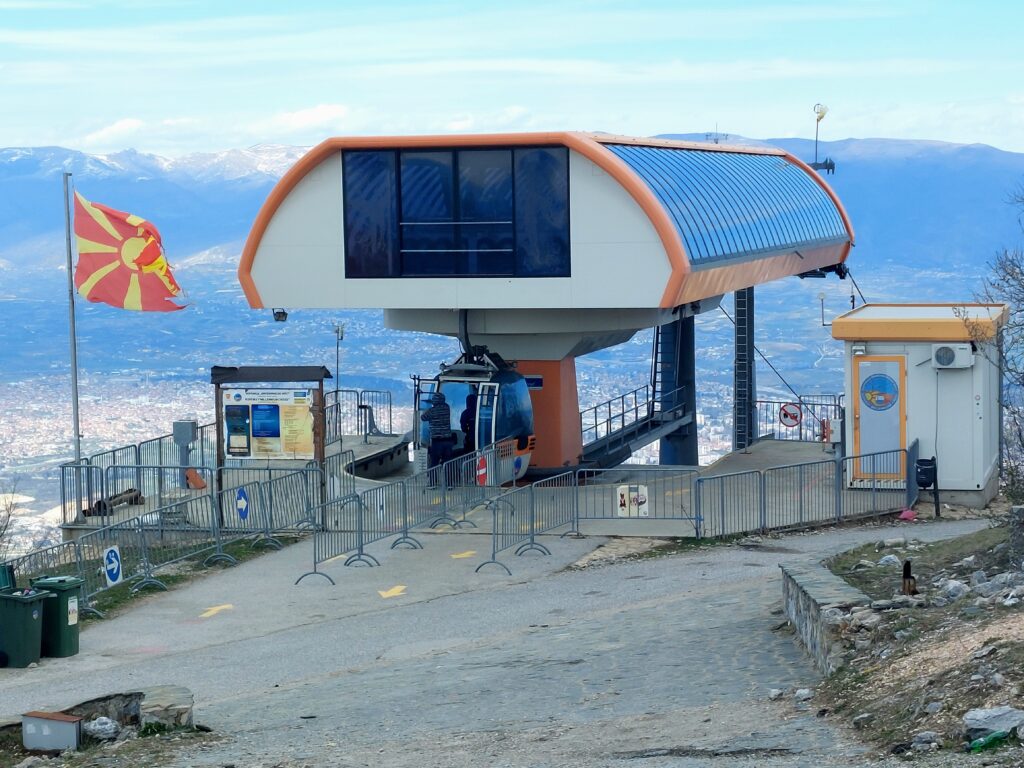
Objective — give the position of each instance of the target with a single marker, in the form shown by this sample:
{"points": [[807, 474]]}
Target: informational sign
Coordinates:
{"points": [[242, 503], [72, 611], [789, 415], [632, 500], [263, 423], [112, 565], [534, 382]]}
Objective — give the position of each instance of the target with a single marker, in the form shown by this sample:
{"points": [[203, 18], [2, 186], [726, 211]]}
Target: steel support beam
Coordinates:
{"points": [[677, 388], [744, 412]]}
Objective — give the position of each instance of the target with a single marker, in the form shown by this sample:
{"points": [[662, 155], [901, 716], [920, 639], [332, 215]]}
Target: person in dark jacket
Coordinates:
{"points": [[439, 421], [467, 423]]}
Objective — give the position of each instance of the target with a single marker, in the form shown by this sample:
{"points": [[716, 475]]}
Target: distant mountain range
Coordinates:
{"points": [[928, 216]]}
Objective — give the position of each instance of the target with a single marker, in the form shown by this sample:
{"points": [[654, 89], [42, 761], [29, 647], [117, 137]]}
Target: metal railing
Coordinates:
{"points": [[518, 517], [367, 412], [613, 415], [636, 491], [442, 495], [191, 527], [726, 503], [630, 410], [799, 495], [913, 491], [814, 410]]}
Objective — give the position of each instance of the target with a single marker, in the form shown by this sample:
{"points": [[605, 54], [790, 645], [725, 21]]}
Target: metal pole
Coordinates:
{"points": [[71, 325]]}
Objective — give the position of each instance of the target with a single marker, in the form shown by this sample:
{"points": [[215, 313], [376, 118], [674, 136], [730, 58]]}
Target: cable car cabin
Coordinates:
{"points": [[489, 402]]}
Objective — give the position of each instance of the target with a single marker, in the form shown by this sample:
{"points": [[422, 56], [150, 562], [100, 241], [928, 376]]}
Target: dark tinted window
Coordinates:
{"points": [[371, 214], [542, 212], [485, 213]]}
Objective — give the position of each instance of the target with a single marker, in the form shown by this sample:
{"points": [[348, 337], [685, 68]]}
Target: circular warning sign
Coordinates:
{"points": [[789, 415], [481, 471]]}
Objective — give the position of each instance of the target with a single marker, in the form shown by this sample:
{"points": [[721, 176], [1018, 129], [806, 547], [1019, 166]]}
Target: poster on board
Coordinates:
{"points": [[262, 423]]}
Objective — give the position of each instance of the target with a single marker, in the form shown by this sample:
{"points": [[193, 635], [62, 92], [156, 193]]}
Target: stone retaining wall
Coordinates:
{"points": [[809, 591], [1017, 538]]}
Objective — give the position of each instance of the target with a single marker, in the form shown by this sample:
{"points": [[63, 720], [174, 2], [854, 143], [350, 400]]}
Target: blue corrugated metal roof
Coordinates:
{"points": [[728, 204]]}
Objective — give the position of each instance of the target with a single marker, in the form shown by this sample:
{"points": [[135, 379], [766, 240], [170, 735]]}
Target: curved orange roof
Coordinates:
{"points": [[620, 166]]}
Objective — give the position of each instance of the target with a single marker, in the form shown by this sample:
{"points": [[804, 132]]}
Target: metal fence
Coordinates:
{"points": [[616, 414], [726, 503], [634, 491], [813, 411], [358, 412], [801, 494], [187, 528], [798, 495], [443, 495], [627, 413]]}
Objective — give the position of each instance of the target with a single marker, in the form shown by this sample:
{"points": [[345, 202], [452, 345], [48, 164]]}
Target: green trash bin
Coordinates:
{"points": [[7, 577], [60, 616], [21, 626]]}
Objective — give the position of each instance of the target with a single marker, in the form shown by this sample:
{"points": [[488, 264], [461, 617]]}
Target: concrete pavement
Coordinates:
{"points": [[548, 668]]}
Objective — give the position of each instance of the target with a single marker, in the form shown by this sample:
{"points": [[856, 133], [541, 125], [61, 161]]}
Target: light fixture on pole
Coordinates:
{"points": [[339, 335], [828, 164], [820, 110]]}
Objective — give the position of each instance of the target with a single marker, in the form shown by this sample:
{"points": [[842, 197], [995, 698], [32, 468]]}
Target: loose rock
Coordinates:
{"points": [[803, 694], [102, 728], [863, 720], [979, 723], [890, 560]]}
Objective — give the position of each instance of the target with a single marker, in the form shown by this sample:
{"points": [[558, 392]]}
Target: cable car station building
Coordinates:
{"points": [[546, 246]]}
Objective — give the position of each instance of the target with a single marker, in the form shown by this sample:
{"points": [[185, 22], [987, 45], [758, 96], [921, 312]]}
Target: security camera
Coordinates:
{"points": [[280, 315]]}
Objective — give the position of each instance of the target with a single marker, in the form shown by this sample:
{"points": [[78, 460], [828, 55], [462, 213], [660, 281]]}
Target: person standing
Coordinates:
{"points": [[439, 422], [467, 423]]}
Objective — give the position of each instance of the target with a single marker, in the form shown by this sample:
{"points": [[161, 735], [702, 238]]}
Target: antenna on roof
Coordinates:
{"points": [[715, 137], [828, 165]]}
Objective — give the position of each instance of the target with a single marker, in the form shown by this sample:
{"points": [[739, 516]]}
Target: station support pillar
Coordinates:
{"points": [[556, 412], [677, 377], [744, 412]]}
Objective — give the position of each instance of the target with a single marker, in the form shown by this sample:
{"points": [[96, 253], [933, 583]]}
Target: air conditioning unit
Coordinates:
{"points": [[952, 356]]}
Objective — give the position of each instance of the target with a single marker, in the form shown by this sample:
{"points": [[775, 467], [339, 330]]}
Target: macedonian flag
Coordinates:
{"points": [[121, 261]]}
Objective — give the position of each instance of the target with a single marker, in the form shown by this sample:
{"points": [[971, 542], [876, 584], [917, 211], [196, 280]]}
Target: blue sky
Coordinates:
{"points": [[177, 77]]}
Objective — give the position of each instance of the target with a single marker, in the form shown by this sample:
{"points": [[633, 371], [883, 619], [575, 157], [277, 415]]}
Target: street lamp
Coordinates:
{"points": [[339, 334], [820, 110]]}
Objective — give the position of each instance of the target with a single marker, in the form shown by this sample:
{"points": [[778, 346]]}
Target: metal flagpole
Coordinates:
{"points": [[71, 325]]}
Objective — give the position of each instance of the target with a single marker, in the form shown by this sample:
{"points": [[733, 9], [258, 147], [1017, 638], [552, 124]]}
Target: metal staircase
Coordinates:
{"points": [[612, 430]]}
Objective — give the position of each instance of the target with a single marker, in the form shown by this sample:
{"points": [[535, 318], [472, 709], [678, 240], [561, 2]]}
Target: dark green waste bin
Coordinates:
{"points": [[21, 625], [7, 576], [60, 616]]}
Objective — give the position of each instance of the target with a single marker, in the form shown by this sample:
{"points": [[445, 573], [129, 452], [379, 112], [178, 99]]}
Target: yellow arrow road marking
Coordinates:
{"points": [[461, 555], [215, 610], [395, 591]]}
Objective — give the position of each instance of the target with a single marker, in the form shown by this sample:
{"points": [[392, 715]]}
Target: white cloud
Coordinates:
{"points": [[123, 130], [320, 117]]}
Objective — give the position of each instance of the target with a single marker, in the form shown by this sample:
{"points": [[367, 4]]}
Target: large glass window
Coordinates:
{"points": [[371, 214], [474, 212]]}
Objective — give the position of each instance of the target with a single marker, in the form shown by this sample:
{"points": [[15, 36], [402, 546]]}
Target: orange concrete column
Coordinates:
{"points": [[556, 412]]}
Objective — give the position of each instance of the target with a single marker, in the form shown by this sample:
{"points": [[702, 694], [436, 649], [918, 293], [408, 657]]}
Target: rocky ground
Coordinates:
{"points": [[928, 673]]}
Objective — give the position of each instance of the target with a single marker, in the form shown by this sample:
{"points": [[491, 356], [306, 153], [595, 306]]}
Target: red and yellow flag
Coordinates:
{"points": [[121, 261]]}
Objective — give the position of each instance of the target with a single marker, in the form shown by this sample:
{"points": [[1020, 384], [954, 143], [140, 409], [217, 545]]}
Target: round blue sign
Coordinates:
{"points": [[242, 503], [112, 565], [879, 392]]}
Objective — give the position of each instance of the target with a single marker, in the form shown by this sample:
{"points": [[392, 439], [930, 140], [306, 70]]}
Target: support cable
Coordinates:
{"points": [[849, 274], [774, 369]]}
